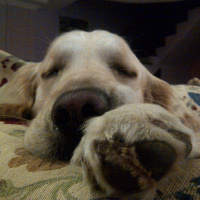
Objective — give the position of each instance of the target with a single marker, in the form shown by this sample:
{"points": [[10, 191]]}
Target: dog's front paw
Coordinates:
{"points": [[128, 151]]}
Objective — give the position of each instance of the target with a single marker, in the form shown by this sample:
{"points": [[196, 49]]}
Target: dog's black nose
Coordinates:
{"points": [[71, 109]]}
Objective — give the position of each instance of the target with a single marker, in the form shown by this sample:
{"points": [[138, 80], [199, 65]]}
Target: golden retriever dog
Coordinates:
{"points": [[94, 103]]}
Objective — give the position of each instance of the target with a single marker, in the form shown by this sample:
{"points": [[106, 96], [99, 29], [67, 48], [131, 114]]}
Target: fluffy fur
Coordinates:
{"points": [[136, 144]]}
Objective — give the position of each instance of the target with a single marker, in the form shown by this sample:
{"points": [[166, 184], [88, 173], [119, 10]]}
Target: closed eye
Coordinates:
{"points": [[123, 71], [51, 73]]}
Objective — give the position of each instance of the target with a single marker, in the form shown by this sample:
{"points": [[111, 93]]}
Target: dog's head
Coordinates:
{"points": [[84, 74]]}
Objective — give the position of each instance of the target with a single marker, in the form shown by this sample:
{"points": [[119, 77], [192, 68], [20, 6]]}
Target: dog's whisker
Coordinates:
{"points": [[45, 36], [133, 38]]}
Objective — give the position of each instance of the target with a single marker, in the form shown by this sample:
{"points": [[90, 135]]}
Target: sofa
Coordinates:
{"points": [[23, 176]]}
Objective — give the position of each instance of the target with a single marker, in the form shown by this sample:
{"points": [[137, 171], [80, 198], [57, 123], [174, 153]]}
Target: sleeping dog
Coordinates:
{"points": [[94, 103]]}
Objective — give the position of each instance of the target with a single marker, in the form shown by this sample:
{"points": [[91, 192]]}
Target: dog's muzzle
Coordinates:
{"points": [[71, 110]]}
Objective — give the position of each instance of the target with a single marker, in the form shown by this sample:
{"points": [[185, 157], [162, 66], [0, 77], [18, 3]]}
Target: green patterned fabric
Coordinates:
{"points": [[23, 176]]}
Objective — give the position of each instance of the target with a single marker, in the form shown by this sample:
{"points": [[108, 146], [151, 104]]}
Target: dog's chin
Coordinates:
{"points": [[52, 145]]}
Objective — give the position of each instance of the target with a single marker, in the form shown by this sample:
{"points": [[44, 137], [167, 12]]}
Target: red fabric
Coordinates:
{"points": [[3, 81]]}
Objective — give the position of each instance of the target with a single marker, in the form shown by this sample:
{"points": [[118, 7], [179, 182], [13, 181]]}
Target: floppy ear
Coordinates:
{"points": [[17, 97], [158, 92]]}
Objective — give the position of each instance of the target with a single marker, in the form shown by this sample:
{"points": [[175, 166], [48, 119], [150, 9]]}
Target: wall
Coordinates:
{"points": [[100, 15], [2, 24], [29, 32]]}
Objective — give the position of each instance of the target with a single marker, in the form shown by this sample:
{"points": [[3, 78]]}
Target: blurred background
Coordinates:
{"points": [[164, 34]]}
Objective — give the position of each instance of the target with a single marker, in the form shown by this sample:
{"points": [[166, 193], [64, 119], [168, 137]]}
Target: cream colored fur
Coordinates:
{"points": [[103, 60]]}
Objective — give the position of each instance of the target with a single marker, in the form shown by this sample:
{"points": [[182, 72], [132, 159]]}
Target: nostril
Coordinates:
{"points": [[64, 114], [88, 111], [61, 118], [93, 108]]}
